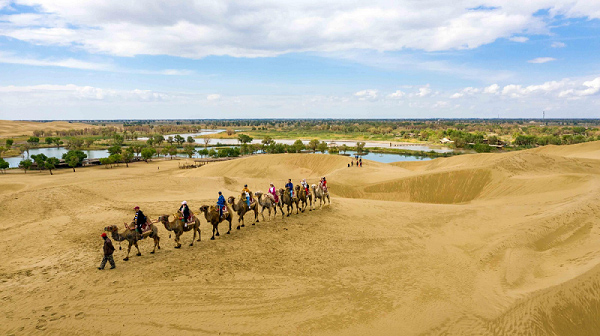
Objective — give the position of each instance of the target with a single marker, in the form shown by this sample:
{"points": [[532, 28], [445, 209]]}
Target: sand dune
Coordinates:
{"points": [[16, 128], [485, 244]]}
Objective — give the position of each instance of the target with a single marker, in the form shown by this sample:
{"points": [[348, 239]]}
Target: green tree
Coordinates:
{"points": [[189, 150], [158, 139], [25, 164], [150, 142], [179, 139], [313, 144], [39, 160], [9, 143], [127, 156], [57, 141], [116, 149], [343, 148], [203, 152], [118, 139], [190, 139], [89, 142], [116, 158], [244, 138], [267, 140], [298, 146], [107, 162], [360, 147], [170, 140], [3, 165], [137, 149], [322, 146], [74, 158], [73, 162], [75, 143], [33, 141], [48, 140], [51, 163], [171, 150], [2, 150], [148, 153]]}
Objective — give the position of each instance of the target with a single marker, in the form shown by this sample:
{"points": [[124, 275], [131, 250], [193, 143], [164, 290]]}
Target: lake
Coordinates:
{"points": [[102, 153]]}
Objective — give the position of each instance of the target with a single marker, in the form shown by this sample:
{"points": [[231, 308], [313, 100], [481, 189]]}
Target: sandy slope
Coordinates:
{"points": [[496, 244], [16, 128]]}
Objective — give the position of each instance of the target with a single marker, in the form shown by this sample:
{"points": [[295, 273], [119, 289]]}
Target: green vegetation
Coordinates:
{"points": [[25, 165], [74, 158], [3, 165]]}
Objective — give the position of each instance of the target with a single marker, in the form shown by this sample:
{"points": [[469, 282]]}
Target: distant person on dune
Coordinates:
{"points": [[108, 252], [221, 203]]}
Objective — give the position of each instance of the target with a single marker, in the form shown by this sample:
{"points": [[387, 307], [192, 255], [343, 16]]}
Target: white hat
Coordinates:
{"points": [[184, 202]]}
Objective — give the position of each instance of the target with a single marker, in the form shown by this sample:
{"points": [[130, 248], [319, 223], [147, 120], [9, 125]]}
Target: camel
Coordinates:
{"points": [[242, 207], [178, 227], [211, 213], [268, 202], [305, 199], [320, 194], [132, 237], [286, 198]]}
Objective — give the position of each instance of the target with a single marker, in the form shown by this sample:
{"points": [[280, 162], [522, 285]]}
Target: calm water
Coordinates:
{"points": [[102, 153]]}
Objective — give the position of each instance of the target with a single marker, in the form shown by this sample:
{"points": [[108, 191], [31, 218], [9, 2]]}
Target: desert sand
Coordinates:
{"points": [[483, 244], [16, 128]]}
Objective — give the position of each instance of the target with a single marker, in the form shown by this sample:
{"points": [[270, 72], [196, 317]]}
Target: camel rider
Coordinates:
{"points": [[324, 184], [248, 194], [185, 211], [221, 204], [290, 186], [139, 219], [305, 186], [273, 192]]}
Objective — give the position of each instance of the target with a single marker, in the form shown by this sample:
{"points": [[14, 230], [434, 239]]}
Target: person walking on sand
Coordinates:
{"points": [[108, 252]]}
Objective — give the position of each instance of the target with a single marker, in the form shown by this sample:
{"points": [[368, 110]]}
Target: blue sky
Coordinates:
{"points": [[66, 59]]}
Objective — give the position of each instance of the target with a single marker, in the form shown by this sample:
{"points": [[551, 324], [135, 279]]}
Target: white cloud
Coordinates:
{"points": [[591, 88], [516, 91], [519, 39], [540, 60], [566, 98], [397, 94], [213, 97], [83, 65], [492, 89], [424, 91], [366, 94], [71, 91], [196, 29], [558, 45], [469, 91]]}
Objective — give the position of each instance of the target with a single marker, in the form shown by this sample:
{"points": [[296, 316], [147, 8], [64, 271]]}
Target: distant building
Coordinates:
{"points": [[446, 140]]}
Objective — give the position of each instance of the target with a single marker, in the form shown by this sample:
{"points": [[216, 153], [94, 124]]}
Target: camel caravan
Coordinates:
{"points": [[300, 196]]}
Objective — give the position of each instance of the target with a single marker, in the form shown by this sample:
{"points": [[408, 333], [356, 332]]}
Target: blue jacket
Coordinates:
{"points": [[221, 201], [289, 185]]}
